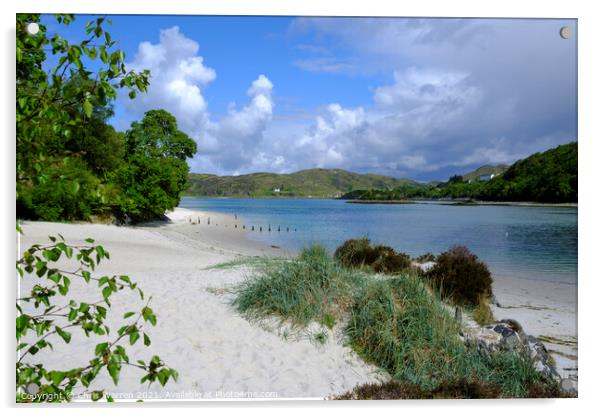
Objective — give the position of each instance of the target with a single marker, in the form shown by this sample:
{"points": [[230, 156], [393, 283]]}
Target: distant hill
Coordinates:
{"points": [[311, 183], [485, 170], [549, 177]]}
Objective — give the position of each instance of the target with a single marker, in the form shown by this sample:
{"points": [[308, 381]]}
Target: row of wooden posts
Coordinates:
{"points": [[287, 229]]}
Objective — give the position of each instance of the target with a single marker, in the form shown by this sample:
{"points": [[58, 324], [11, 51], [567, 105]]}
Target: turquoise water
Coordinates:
{"points": [[521, 242]]}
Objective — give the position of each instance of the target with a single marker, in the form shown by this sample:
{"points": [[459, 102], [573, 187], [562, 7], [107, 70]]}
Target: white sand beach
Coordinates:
{"points": [[220, 354], [546, 310], [217, 352]]}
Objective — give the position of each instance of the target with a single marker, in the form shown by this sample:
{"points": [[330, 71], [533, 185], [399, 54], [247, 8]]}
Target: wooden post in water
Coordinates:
{"points": [[252, 228], [260, 229], [278, 228], [208, 220]]}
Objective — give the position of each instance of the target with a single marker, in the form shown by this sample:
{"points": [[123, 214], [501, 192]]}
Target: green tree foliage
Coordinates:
{"points": [[71, 164], [155, 172], [62, 140], [550, 176], [455, 179], [46, 316], [66, 190]]}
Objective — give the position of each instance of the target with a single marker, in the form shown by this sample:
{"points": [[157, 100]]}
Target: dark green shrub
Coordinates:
{"points": [[390, 261], [390, 390], [394, 390], [355, 253], [460, 276], [64, 190], [381, 259]]}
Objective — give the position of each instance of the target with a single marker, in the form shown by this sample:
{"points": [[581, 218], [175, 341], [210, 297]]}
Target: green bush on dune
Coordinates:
{"points": [[459, 275], [359, 253], [395, 322]]}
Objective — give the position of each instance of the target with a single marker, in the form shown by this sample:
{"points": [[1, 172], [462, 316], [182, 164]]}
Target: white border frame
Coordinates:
{"points": [[590, 33]]}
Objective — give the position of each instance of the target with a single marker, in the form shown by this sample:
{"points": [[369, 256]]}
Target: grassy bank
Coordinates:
{"points": [[393, 321]]}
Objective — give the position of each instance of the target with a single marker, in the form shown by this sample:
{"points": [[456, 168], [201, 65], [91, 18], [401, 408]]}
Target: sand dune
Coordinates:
{"points": [[217, 353]]}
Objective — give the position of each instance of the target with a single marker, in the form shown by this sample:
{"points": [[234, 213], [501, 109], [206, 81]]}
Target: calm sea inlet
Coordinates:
{"points": [[515, 241]]}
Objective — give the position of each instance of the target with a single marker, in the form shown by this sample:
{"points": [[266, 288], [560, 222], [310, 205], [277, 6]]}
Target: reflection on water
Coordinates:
{"points": [[522, 242]]}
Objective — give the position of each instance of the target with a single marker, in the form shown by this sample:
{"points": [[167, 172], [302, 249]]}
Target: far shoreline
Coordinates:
{"points": [[454, 202]]}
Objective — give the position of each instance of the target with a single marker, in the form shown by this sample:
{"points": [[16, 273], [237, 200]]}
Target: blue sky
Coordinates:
{"points": [[417, 98]]}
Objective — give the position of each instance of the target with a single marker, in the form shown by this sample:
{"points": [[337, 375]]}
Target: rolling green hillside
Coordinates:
{"points": [[548, 177], [485, 170], [311, 183]]}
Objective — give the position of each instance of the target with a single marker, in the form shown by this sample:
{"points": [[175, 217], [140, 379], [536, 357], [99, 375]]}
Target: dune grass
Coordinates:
{"points": [[311, 287], [402, 327], [395, 322], [482, 312], [247, 261]]}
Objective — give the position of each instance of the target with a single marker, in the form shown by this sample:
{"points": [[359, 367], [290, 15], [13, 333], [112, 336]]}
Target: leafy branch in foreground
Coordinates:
{"points": [[50, 316], [66, 99]]}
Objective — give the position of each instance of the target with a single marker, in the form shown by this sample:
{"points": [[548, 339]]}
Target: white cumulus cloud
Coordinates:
{"points": [[236, 136], [178, 76]]}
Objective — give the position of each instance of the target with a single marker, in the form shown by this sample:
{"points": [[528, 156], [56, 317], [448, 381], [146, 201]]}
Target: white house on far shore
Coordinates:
{"points": [[487, 177], [483, 178]]}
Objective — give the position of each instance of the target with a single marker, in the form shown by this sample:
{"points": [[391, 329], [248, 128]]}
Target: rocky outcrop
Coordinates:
{"points": [[508, 335]]}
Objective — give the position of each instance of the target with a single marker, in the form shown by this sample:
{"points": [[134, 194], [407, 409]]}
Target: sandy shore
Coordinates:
{"points": [[546, 310], [217, 353]]}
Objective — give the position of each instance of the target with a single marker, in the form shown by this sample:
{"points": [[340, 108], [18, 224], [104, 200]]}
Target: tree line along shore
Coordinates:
{"points": [[548, 177]]}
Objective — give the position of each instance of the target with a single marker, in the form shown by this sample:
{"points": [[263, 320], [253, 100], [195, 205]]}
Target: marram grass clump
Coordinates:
{"points": [[399, 325], [396, 322], [311, 287], [482, 312], [472, 388]]}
